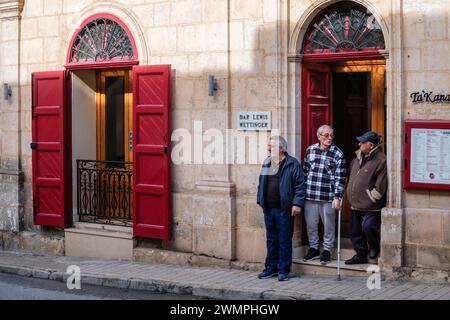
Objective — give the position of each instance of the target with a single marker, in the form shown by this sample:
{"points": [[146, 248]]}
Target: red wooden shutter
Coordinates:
{"points": [[316, 80], [49, 148], [151, 156]]}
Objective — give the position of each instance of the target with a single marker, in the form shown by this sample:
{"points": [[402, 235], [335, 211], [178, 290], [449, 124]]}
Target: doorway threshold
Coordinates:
{"points": [[314, 267]]}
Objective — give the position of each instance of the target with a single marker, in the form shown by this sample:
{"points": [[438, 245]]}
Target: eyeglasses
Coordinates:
{"points": [[328, 135]]}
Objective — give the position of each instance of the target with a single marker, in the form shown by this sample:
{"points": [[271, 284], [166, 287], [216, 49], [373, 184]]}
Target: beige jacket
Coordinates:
{"points": [[367, 184]]}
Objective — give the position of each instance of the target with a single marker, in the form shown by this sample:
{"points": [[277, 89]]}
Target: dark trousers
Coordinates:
{"points": [[365, 229], [279, 231]]}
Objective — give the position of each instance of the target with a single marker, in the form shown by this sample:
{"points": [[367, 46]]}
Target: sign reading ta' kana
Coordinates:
{"points": [[254, 121], [429, 97]]}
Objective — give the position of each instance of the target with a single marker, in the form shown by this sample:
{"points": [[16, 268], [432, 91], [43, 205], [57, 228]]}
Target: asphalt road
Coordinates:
{"points": [[13, 287]]}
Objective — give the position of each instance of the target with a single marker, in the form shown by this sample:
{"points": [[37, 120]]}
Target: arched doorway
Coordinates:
{"points": [[100, 57], [109, 158], [342, 80]]}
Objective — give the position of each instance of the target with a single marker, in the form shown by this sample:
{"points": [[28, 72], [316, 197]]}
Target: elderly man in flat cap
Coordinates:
{"points": [[366, 192]]}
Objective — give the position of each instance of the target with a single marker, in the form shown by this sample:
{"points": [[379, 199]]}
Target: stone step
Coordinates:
{"points": [[316, 268], [89, 240], [346, 253]]}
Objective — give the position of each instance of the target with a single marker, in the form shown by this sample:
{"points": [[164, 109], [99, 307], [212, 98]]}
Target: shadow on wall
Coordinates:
{"points": [[255, 80]]}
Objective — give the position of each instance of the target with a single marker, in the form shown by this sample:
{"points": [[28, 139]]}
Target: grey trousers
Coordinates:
{"points": [[315, 210]]}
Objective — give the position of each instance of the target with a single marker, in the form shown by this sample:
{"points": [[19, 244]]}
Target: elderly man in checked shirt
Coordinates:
{"points": [[325, 172]]}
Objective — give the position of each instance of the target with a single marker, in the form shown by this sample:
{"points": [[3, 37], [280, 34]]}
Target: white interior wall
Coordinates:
{"points": [[83, 123]]}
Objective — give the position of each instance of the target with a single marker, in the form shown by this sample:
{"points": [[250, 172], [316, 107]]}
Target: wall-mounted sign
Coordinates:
{"points": [[254, 121], [427, 158], [429, 97]]}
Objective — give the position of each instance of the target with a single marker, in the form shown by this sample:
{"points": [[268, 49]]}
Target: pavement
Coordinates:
{"points": [[213, 283]]}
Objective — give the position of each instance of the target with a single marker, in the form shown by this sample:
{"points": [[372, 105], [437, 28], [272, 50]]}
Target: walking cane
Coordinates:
{"points": [[339, 243]]}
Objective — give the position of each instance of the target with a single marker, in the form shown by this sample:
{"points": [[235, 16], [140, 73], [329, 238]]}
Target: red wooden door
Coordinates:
{"points": [[151, 141], [316, 83], [49, 128], [316, 101]]}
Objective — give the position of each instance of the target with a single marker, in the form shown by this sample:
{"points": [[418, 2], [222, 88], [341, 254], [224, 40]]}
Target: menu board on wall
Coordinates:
{"points": [[427, 158]]}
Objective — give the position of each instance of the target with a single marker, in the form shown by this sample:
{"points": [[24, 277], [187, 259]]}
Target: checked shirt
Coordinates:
{"points": [[325, 173]]}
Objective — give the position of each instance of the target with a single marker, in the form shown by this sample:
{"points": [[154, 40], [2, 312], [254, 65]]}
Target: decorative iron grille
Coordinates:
{"points": [[101, 40], [344, 29], [105, 192]]}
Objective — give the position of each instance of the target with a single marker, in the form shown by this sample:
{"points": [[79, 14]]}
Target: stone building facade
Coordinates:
{"points": [[254, 50]]}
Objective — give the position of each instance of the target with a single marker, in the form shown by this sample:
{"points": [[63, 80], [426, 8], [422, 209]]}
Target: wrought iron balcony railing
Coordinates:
{"points": [[104, 192]]}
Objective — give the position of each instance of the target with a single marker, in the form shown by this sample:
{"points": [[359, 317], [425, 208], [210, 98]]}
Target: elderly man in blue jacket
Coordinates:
{"points": [[281, 194]]}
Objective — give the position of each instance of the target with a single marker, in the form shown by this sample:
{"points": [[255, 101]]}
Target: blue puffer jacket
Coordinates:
{"points": [[292, 184]]}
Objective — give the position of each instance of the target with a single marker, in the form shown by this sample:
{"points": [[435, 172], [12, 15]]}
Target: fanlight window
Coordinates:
{"points": [[344, 28], [101, 40]]}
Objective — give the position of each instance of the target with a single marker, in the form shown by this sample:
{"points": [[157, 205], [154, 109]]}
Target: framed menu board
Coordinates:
{"points": [[427, 155]]}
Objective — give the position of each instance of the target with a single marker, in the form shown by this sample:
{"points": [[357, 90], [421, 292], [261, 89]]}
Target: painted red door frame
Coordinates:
{"points": [[102, 65], [342, 56], [69, 177], [69, 73]]}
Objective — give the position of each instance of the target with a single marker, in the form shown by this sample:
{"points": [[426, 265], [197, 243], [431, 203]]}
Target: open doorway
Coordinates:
{"points": [[349, 96], [357, 106], [64, 131], [102, 146]]}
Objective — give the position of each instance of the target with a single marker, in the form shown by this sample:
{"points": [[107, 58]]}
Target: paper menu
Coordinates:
{"points": [[430, 156]]}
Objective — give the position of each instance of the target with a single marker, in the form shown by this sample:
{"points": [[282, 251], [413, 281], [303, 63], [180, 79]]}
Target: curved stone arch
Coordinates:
{"points": [[298, 34], [121, 12]]}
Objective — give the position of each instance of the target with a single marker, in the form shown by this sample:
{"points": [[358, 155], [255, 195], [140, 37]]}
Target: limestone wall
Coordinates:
{"points": [[245, 45], [233, 40], [11, 176], [426, 48]]}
